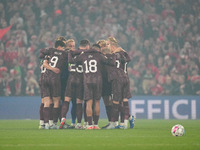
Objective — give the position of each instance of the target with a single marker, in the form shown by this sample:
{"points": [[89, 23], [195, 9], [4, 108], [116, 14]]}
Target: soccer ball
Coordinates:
{"points": [[178, 130]]}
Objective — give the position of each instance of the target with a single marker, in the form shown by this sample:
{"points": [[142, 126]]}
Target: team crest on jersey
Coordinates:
{"points": [[90, 56], [58, 53]]}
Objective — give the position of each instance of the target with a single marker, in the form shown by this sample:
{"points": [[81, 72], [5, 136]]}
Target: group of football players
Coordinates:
{"points": [[83, 76]]}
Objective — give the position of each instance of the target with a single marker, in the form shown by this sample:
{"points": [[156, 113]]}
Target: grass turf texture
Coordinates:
{"points": [[147, 134]]}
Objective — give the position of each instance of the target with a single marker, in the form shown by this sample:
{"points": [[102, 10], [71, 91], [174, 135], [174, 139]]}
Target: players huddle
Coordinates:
{"points": [[83, 76]]}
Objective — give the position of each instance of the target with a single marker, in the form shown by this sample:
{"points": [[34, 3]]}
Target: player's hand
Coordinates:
{"points": [[56, 70], [47, 57], [68, 50]]}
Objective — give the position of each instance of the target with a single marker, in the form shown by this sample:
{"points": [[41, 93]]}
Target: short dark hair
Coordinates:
{"points": [[96, 45], [84, 43], [60, 38], [59, 43]]}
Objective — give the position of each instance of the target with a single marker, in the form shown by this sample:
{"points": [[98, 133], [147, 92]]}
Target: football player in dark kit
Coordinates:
{"points": [[124, 106], [106, 86], [56, 70], [74, 87], [120, 87], [51, 86], [92, 81], [70, 45]]}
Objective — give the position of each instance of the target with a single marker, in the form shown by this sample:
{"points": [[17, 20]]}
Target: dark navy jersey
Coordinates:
{"points": [[57, 59], [124, 60], [116, 72], [92, 62]]}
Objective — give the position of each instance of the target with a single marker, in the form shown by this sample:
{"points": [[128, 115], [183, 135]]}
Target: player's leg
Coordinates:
{"points": [[107, 103], [97, 95], [73, 112], [116, 97], [56, 102], [65, 108], [127, 116], [89, 113], [96, 114], [108, 106], [79, 112], [63, 88], [106, 95], [51, 114], [121, 114], [41, 126], [85, 116], [46, 111], [69, 93], [114, 115]]}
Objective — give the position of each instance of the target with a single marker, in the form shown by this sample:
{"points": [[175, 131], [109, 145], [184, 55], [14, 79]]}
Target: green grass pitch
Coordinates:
{"points": [[147, 134]]}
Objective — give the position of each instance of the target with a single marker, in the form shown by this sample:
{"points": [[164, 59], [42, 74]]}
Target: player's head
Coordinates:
{"points": [[60, 38], [70, 44], [113, 43], [60, 42], [84, 44], [107, 44], [96, 47], [106, 50], [102, 43]]}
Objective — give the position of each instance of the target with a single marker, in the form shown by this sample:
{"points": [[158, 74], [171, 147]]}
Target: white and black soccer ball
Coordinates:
{"points": [[178, 130]]}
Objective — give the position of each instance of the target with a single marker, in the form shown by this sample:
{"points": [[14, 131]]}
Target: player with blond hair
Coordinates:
{"points": [[106, 85], [120, 87]]}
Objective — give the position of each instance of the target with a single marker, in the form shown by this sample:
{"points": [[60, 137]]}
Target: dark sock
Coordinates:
{"points": [[121, 110], [126, 110], [55, 114], [51, 111], [60, 109], [79, 112], [89, 119], [108, 112], [65, 108], [41, 111], [115, 112], [84, 111], [73, 111], [46, 112], [96, 119], [93, 112]]}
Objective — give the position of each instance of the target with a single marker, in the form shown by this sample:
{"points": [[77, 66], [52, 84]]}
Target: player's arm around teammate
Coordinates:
{"points": [[120, 86], [52, 88], [74, 87]]}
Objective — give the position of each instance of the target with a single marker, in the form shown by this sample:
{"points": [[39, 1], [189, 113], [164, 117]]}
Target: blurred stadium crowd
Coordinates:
{"points": [[161, 36]]}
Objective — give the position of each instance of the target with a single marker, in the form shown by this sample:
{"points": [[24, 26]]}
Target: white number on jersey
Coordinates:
{"points": [[90, 66], [118, 63], [79, 69], [125, 67], [72, 67], [52, 63], [43, 69]]}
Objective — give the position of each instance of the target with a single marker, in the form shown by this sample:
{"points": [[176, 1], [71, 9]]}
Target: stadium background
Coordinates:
{"points": [[161, 36]]}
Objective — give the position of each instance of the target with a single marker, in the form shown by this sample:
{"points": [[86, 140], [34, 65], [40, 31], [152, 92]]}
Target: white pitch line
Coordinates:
{"points": [[59, 145]]}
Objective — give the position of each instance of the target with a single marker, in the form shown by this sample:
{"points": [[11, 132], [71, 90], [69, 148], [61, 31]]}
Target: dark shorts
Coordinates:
{"points": [[41, 87], [50, 87], [92, 91], [120, 89], [106, 88], [74, 88]]}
